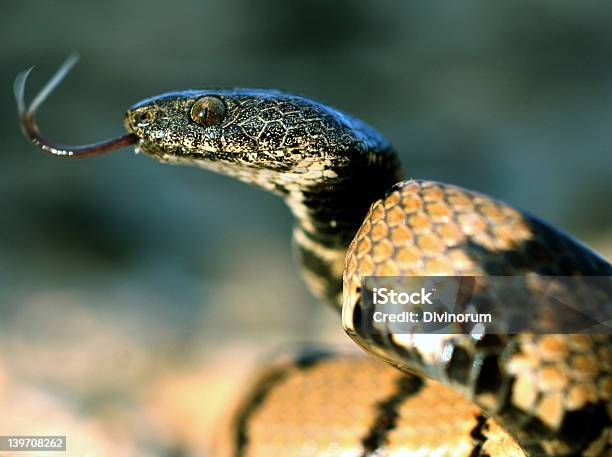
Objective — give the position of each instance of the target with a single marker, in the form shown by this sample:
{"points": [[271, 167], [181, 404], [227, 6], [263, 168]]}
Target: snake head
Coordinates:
{"points": [[241, 130], [264, 137]]}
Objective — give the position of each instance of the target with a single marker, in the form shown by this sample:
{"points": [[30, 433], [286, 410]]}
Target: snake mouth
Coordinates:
{"points": [[29, 126]]}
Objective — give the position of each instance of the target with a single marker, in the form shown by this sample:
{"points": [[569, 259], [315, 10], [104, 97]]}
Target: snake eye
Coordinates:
{"points": [[208, 111]]}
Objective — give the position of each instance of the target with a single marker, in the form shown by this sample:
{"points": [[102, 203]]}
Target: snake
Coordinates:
{"points": [[473, 395]]}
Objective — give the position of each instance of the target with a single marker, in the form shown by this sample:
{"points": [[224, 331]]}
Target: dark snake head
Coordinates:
{"points": [[242, 131], [264, 137]]}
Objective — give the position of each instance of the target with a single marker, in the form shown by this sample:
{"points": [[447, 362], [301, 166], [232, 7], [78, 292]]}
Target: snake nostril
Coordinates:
{"points": [[143, 118]]}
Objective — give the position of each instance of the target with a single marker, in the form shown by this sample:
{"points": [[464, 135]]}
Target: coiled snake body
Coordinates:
{"points": [[494, 395]]}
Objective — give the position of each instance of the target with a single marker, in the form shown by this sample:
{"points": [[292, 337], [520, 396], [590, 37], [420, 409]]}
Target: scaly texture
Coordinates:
{"points": [[342, 405], [550, 392]]}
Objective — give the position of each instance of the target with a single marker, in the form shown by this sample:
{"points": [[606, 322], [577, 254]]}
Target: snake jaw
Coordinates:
{"points": [[29, 126]]}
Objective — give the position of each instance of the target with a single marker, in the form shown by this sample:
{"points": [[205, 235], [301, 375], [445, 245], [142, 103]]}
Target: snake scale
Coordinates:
{"points": [[439, 395]]}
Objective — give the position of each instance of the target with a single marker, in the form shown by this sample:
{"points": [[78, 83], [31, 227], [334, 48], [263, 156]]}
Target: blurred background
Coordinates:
{"points": [[135, 297]]}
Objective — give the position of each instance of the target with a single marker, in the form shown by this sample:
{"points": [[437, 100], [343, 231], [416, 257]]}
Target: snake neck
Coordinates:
{"points": [[328, 216]]}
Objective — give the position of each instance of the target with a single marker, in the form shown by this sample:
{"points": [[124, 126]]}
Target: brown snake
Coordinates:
{"points": [[494, 395]]}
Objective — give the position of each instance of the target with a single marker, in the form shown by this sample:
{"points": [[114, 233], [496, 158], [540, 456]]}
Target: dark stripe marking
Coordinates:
{"points": [[478, 436], [241, 437], [303, 361], [387, 414], [318, 266]]}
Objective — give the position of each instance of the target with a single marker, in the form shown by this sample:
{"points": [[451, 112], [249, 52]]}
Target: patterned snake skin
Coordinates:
{"points": [[549, 390], [442, 395]]}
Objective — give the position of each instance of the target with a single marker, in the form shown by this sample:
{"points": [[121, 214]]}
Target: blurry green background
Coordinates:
{"points": [[127, 285]]}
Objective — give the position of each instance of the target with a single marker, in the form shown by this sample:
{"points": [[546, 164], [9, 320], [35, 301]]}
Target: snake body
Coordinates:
{"points": [[460, 395]]}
